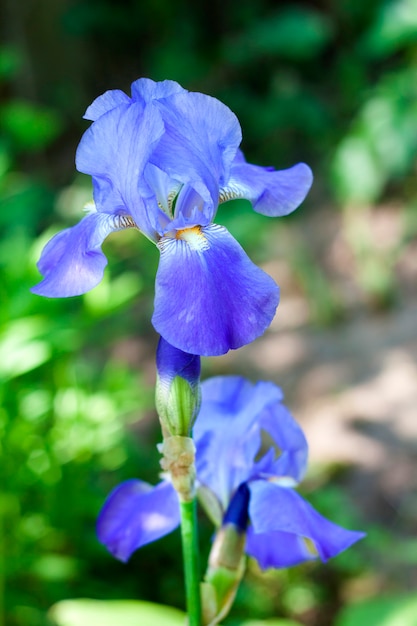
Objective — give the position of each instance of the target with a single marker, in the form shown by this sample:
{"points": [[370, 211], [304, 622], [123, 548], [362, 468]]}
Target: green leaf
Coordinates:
{"points": [[271, 622], [30, 127], [293, 33], [382, 611], [87, 612], [21, 348]]}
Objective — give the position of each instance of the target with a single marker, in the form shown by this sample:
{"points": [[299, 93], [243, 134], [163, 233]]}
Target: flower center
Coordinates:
{"points": [[194, 237]]}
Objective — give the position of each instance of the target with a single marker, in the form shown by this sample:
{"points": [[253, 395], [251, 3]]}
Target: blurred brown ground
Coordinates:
{"points": [[352, 385]]}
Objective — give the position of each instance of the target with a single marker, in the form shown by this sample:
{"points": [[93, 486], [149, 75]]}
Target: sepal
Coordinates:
{"points": [[224, 574]]}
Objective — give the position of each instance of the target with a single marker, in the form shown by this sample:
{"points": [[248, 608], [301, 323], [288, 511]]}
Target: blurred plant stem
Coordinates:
{"points": [[178, 458], [2, 572], [189, 537]]}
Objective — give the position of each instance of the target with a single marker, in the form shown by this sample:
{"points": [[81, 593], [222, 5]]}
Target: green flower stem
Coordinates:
{"points": [[191, 564]]}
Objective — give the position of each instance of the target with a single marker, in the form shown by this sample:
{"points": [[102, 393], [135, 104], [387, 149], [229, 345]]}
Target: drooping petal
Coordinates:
{"points": [[273, 508], [106, 102], [277, 549], [271, 192], [135, 514], [210, 297], [115, 151], [72, 262]]}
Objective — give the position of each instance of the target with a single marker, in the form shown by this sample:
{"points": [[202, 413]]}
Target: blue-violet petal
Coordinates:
{"points": [[134, 514], [210, 297]]}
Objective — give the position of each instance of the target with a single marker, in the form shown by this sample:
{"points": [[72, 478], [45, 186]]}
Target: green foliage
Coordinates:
{"points": [[270, 622], [295, 33], [107, 613], [334, 86], [29, 127], [385, 611]]}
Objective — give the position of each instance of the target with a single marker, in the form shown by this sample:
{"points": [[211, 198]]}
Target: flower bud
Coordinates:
{"points": [[226, 560], [178, 394]]}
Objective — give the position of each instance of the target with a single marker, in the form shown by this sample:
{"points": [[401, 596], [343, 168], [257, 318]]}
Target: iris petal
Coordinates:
{"points": [[272, 192], [147, 89], [287, 435], [212, 129], [210, 297], [273, 508], [228, 432], [277, 549], [72, 262], [200, 142], [115, 151], [135, 514], [106, 102]]}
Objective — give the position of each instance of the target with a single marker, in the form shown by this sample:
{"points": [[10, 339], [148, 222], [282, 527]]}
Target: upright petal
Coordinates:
{"points": [[135, 514], [273, 508], [106, 102], [271, 192], [210, 297], [147, 89], [115, 151], [228, 432], [211, 127], [234, 394], [200, 142], [72, 262], [277, 549]]}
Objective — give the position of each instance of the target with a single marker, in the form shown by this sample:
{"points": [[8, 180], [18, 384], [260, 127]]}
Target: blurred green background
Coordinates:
{"points": [[330, 83]]}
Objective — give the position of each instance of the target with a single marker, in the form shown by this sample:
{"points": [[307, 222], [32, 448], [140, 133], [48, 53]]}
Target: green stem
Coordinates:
{"points": [[190, 556]]}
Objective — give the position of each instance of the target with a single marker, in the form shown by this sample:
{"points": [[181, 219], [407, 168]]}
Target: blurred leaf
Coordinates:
{"points": [[85, 612], [381, 611], [356, 175], [30, 127], [21, 348], [382, 142], [109, 295], [394, 27], [271, 622], [55, 567], [10, 62], [293, 33]]}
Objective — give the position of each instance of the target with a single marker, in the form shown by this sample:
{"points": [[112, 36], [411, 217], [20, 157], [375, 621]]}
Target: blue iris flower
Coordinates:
{"points": [[250, 455], [161, 161]]}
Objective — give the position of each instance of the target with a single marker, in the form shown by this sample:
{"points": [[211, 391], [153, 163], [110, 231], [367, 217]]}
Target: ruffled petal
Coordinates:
{"points": [[228, 433], [147, 89], [200, 142], [212, 129], [135, 514], [115, 151], [289, 438], [277, 549], [210, 297], [273, 508], [271, 192], [72, 262], [106, 102]]}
